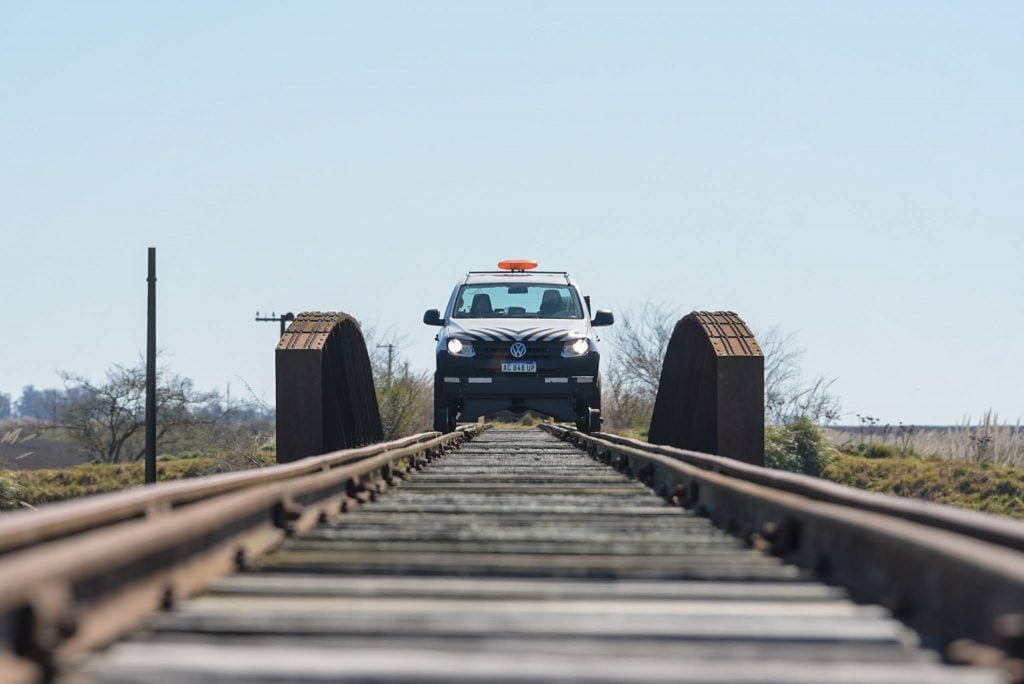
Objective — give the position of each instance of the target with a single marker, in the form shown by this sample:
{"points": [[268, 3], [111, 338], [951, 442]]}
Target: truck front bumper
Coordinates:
{"points": [[555, 396]]}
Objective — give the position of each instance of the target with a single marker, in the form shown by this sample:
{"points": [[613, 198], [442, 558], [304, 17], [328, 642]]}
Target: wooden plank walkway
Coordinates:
{"points": [[517, 558]]}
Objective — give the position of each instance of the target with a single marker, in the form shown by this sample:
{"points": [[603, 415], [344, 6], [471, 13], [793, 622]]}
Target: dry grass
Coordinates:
{"points": [[31, 488], [972, 465], [986, 441]]}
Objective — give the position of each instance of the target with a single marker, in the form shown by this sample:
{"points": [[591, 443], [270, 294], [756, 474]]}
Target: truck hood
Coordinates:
{"points": [[517, 329]]}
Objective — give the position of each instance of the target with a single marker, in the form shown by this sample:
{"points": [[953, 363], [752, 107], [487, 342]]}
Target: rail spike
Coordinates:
{"points": [[711, 395], [325, 395]]}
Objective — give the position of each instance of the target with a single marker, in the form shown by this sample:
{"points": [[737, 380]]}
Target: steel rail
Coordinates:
{"points": [[996, 529], [63, 597], [966, 593], [26, 528]]}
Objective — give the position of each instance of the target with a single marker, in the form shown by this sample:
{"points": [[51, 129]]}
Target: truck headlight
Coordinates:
{"points": [[580, 347], [457, 347]]}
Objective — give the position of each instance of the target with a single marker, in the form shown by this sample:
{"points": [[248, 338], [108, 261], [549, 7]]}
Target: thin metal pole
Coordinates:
{"points": [[151, 372], [283, 319]]}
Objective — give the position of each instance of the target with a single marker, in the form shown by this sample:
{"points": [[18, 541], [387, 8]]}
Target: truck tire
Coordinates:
{"points": [[444, 413], [444, 418], [588, 419]]}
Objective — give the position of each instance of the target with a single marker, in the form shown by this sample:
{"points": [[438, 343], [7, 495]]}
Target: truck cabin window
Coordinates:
{"points": [[503, 300]]}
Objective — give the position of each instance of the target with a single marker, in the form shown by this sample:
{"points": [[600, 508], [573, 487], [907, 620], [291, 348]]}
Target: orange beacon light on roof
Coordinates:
{"points": [[517, 265]]}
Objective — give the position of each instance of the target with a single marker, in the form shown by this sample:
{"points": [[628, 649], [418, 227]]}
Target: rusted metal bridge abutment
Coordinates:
{"points": [[325, 393], [711, 394]]}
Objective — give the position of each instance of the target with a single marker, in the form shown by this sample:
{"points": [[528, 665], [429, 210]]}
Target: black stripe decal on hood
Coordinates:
{"points": [[509, 335]]}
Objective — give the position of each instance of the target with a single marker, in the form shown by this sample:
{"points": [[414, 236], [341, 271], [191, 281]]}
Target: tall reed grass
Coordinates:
{"points": [[987, 440]]}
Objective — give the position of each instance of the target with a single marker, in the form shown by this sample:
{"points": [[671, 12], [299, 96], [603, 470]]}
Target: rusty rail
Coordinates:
{"points": [[85, 573], [991, 528], [58, 520], [956, 576]]}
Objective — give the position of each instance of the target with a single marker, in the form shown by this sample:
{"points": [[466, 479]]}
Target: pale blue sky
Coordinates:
{"points": [[852, 172]]}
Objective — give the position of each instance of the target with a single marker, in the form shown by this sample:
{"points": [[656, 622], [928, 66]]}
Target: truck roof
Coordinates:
{"points": [[540, 277]]}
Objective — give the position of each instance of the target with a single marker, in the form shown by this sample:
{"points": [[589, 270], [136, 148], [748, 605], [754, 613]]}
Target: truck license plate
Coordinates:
{"points": [[518, 366]]}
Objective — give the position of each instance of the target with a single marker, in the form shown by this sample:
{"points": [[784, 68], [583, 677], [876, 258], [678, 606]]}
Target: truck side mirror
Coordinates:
{"points": [[602, 317], [432, 317]]}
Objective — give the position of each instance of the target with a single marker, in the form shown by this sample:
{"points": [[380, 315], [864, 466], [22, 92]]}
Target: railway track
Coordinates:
{"points": [[525, 556]]}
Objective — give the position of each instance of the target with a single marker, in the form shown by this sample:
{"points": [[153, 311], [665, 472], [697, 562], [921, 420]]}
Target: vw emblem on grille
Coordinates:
{"points": [[518, 350]]}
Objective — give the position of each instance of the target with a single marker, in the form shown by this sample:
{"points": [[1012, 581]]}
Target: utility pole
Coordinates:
{"points": [[391, 356], [274, 318], [151, 371]]}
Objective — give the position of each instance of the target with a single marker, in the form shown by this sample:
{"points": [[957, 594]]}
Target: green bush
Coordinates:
{"points": [[10, 493], [799, 447], [875, 450]]}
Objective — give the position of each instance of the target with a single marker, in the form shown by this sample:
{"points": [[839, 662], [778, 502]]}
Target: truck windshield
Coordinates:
{"points": [[517, 300]]}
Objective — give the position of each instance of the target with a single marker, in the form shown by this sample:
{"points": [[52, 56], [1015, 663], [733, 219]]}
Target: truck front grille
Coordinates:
{"points": [[534, 350]]}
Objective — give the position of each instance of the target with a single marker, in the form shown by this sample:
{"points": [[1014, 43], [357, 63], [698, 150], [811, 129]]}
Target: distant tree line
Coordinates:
{"points": [[33, 403], [107, 418], [46, 404]]}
